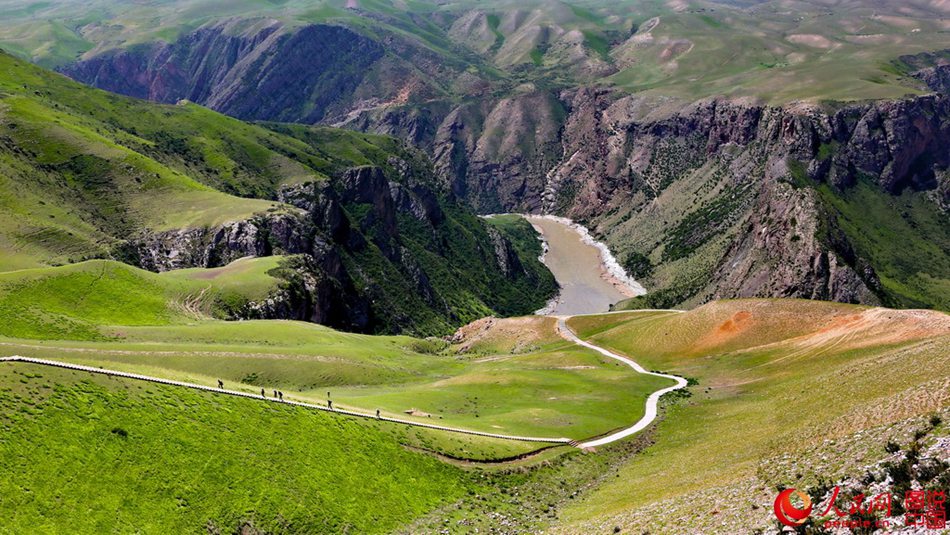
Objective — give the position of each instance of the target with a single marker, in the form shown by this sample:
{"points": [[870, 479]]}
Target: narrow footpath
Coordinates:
{"points": [[648, 417]]}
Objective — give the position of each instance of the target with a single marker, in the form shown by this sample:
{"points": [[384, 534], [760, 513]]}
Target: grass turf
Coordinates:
{"points": [[73, 302], [104, 313], [775, 377], [74, 443]]}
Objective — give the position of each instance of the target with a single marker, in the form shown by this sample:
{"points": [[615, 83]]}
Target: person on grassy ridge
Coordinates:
{"points": [[220, 383], [330, 404], [281, 394], [263, 395], [377, 413]]}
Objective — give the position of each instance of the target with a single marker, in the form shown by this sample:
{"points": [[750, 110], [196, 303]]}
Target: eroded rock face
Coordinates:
{"points": [[263, 235], [781, 241], [318, 289], [330, 231], [505, 255], [937, 78], [608, 159], [782, 255], [738, 173], [317, 286]]}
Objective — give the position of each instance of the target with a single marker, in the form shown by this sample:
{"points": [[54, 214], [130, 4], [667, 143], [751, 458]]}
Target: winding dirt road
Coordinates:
{"points": [[648, 416], [651, 407]]}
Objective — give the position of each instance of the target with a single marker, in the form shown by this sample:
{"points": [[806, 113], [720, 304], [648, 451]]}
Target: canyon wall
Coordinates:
{"points": [[712, 199]]}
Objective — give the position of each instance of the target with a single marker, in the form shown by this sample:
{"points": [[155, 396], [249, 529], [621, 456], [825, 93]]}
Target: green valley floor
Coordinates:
{"points": [[784, 378]]}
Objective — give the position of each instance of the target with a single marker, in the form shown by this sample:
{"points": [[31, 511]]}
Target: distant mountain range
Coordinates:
{"points": [[722, 149]]}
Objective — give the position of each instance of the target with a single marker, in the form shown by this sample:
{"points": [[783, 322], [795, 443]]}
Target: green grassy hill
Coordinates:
{"points": [[790, 393], [151, 458], [811, 391], [107, 314], [80, 168], [228, 463], [85, 174], [73, 302]]}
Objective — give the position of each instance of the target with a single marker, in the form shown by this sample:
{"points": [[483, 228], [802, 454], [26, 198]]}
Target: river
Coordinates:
{"points": [[590, 278]]}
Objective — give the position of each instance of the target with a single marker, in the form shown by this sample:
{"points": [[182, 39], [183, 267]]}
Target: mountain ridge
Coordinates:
{"points": [[178, 186], [756, 197], [610, 165]]}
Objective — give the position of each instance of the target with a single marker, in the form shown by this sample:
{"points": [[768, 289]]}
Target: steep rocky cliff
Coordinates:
{"points": [[795, 201], [366, 253], [719, 198], [373, 240]]}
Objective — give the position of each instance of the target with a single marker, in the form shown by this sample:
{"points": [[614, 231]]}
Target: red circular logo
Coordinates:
{"points": [[787, 513]]}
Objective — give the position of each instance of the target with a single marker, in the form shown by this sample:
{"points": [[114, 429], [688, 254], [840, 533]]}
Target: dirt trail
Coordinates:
{"points": [[651, 408], [564, 331]]}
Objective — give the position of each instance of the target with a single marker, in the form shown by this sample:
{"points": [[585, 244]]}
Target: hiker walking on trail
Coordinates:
{"points": [[263, 395], [220, 383], [377, 413], [329, 404], [275, 394], [281, 394]]}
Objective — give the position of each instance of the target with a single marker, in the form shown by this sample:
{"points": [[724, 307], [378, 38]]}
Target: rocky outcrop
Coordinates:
{"points": [[751, 171], [714, 194], [936, 78], [898, 144], [931, 68], [366, 252], [724, 154], [505, 255], [263, 235], [317, 289], [493, 153], [783, 253]]}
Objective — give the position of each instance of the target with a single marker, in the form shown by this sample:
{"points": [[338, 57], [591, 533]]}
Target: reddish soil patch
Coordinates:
{"points": [[727, 331], [879, 326], [737, 323]]}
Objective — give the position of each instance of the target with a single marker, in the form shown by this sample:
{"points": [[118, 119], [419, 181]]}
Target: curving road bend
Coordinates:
{"points": [[651, 408], [648, 417]]}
